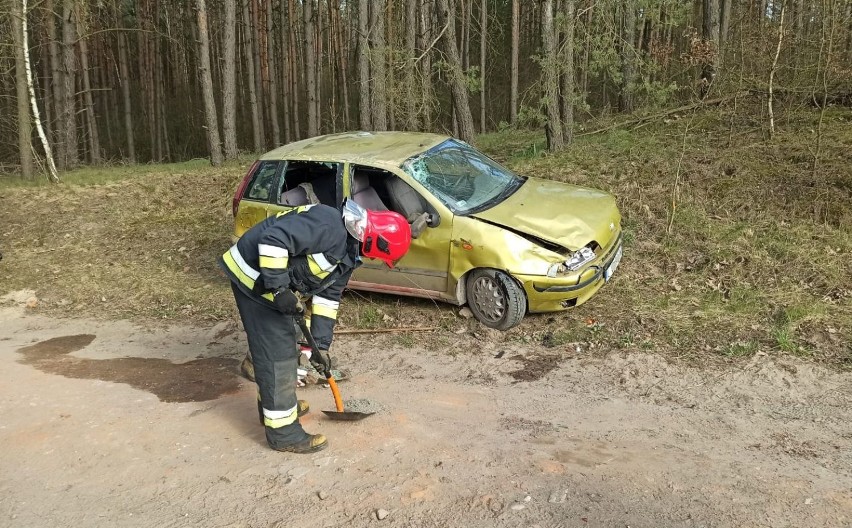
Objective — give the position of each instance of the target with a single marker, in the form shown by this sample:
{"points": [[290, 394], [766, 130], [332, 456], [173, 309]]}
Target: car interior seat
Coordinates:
{"points": [[302, 194], [365, 195], [408, 203]]}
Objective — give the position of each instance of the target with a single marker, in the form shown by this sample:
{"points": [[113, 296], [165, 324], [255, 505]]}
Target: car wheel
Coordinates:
{"points": [[495, 299]]}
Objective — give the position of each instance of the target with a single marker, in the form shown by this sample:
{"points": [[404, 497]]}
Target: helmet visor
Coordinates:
{"points": [[355, 219]]}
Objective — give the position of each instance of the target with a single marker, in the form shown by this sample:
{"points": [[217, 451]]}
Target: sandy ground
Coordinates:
{"points": [[111, 424]]}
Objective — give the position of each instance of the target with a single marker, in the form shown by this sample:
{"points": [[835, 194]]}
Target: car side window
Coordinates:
{"points": [[262, 183], [311, 182]]}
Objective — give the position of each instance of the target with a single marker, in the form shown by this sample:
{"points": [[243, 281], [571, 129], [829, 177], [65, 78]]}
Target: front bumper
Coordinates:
{"points": [[551, 294]]}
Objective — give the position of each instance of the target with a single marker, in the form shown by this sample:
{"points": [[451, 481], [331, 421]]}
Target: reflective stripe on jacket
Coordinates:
{"points": [[307, 250]]}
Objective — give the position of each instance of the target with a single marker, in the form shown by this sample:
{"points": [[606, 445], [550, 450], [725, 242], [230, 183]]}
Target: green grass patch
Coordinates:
{"points": [[740, 349]]}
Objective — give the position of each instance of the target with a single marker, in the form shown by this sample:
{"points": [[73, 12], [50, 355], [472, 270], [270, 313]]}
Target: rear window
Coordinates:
{"points": [[263, 181]]}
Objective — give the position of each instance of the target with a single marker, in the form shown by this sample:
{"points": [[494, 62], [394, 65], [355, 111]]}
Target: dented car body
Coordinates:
{"points": [[502, 243]]}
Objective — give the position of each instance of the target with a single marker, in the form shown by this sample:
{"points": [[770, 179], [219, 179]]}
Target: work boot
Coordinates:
{"points": [[247, 368], [311, 444], [293, 439], [302, 408]]}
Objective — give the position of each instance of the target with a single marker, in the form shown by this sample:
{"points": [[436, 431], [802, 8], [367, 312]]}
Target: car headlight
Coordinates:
{"points": [[579, 259]]}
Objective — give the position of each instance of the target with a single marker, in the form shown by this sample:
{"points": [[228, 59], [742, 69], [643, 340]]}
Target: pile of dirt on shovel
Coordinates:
{"points": [[362, 405]]}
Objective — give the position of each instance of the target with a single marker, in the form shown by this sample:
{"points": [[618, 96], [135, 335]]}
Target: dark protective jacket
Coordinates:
{"points": [[307, 250]]}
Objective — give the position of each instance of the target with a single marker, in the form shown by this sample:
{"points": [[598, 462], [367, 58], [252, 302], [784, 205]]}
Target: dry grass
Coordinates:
{"points": [[757, 257]]}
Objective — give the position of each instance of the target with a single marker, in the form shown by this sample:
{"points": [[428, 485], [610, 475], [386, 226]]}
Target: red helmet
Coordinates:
{"points": [[384, 235], [387, 236]]}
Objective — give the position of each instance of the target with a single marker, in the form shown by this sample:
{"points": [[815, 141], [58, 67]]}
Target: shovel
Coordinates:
{"points": [[322, 364]]}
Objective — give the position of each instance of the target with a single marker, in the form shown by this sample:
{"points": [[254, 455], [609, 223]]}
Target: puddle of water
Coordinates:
{"points": [[194, 381]]}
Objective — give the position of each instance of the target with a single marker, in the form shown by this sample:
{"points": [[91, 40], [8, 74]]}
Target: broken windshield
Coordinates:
{"points": [[464, 179]]}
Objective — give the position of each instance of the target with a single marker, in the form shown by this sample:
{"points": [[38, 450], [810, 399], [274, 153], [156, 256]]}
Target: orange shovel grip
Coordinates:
{"points": [[338, 402]]}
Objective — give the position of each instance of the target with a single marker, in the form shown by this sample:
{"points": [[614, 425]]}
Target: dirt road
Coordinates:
{"points": [[110, 424]]}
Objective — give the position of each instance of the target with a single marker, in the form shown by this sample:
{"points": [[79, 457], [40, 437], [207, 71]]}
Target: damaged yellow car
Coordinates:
{"points": [[501, 243]]}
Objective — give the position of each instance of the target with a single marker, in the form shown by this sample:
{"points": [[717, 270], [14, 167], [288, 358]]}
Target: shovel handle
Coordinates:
{"points": [[335, 392], [338, 401]]}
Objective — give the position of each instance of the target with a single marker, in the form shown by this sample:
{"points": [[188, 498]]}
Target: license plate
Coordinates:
{"points": [[614, 264]]}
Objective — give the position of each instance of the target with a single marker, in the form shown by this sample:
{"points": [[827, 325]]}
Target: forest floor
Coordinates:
{"points": [[707, 385]]}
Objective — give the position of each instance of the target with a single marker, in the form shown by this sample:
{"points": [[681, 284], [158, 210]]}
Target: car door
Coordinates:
{"points": [[423, 271], [258, 196]]}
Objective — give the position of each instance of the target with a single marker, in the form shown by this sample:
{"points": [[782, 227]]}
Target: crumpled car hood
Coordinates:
{"points": [[568, 215]]}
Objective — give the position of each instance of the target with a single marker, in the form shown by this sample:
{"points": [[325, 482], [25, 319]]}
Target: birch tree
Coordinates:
{"points": [[52, 173]]}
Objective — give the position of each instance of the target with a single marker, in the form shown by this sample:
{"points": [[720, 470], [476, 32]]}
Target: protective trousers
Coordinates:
{"points": [[272, 343]]}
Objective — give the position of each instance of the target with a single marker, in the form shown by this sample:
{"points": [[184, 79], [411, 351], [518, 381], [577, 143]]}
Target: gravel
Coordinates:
{"points": [[361, 405]]}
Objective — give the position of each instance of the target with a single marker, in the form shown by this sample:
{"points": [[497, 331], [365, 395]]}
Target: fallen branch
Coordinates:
{"points": [[388, 330], [645, 119]]}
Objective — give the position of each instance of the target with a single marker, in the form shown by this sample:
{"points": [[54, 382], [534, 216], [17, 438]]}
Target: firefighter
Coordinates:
{"points": [[308, 251]]}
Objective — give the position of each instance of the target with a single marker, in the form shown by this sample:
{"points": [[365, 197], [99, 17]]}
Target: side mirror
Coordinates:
{"points": [[419, 223], [433, 219]]}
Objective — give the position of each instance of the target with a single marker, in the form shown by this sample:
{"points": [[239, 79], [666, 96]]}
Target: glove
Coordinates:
{"points": [[321, 363], [287, 302]]}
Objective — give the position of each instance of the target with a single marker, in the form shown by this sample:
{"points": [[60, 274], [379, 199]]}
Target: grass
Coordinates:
{"points": [[753, 257]]}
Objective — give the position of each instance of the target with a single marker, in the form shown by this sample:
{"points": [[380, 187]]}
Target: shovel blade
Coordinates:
{"points": [[347, 416]]}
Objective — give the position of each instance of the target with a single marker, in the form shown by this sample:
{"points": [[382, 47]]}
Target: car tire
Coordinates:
{"points": [[495, 299]]}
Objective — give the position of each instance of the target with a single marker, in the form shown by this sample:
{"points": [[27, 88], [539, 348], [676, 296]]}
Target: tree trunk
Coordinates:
{"points": [[772, 70], [311, 68], [344, 70], [57, 83], [146, 74], [457, 81], [46, 94], [125, 96], [68, 157], [248, 47], [331, 60], [410, 66], [849, 32], [259, 52], [248, 51], [482, 50], [155, 61], [107, 102], [550, 79], [273, 72], [25, 130], [378, 101], [710, 32], [294, 68], [91, 122], [628, 56], [586, 60], [52, 176], [285, 70], [364, 65], [321, 61], [162, 127], [465, 37], [426, 13], [229, 82], [724, 30], [516, 31], [212, 128], [567, 62]]}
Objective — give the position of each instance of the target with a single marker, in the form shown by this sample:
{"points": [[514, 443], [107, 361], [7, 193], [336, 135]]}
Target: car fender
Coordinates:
{"points": [[476, 244]]}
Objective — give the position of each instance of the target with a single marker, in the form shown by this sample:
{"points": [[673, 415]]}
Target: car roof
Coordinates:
{"points": [[376, 148]]}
